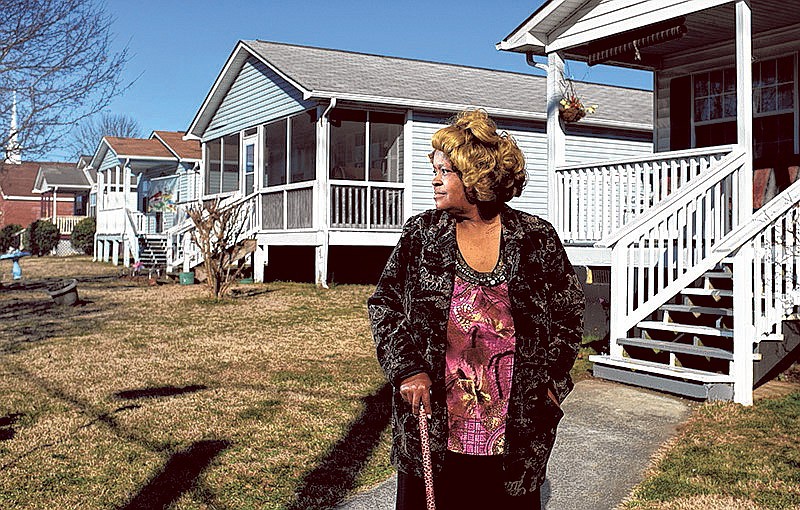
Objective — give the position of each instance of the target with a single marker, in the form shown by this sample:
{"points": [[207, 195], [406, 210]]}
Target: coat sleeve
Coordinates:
{"points": [[566, 302], [396, 348]]}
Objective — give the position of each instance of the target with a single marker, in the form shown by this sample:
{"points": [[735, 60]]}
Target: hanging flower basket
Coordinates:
{"points": [[571, 114], [571, 108]]}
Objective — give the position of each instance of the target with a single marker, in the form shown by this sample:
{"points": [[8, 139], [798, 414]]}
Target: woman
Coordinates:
{"points": [[477, 318]]}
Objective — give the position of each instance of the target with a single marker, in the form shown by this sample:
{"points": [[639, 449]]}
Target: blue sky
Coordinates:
{"points": [[178, 47]]}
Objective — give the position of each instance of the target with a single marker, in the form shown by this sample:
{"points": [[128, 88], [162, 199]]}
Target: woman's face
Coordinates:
{"points": [[448, 190]]}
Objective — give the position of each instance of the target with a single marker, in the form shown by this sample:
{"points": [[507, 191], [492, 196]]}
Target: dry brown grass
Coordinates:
{"points": [[116, 402]]}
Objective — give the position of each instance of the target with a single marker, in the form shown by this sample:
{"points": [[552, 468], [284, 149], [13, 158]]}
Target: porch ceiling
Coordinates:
{"points": [[703, 28]]}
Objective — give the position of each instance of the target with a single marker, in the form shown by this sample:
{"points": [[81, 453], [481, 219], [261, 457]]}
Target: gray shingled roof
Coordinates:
{"points": [[325, 72], [63, 175]]}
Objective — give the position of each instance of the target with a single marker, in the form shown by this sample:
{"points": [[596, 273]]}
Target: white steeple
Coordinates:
{"points": [[13, 152]]}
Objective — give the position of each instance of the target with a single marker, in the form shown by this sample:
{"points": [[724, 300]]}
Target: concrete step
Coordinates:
{"points": [[678, 327], [705, 310], [696, 350]]}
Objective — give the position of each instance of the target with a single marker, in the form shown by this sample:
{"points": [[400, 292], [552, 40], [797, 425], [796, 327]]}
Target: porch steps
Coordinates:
{"points": [[707, 310], [685, 347], [697, 350], [657, 376], [714, 293], [153, 251], [678, 327]]}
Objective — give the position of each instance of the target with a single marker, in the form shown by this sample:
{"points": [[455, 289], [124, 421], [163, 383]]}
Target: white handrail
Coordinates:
{"points": [[598, 198], [665, 251]]}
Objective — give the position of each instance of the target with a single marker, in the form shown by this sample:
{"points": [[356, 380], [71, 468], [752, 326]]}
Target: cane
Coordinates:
{"points": [[427, 469]]}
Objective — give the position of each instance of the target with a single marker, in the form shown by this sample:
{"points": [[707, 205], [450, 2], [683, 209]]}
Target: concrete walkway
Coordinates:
{"points": [[604, 446]]}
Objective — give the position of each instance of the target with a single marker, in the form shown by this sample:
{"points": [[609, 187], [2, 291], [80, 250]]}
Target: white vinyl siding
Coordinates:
{"points": [[110, 160], [610, 17], [257, 95]]}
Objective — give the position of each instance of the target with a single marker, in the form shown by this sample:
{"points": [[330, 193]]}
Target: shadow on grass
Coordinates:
{"points": [[178, 476], [28, 321], [7, 425], [335, 476], [158, 391]]}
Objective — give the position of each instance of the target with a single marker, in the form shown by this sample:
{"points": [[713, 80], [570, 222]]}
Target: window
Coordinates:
{"points": [[303, 143], [213, 166], [358, 136], [222, 164], [230, 171], [249, 167], [275, 153], [714, 107]]}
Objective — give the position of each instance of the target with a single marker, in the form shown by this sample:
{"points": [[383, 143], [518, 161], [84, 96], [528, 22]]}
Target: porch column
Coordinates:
{"points": [[556, 136], [55, 205], [260, 259], [744, 332], [115, 252], [322, 198], [744, 104]]}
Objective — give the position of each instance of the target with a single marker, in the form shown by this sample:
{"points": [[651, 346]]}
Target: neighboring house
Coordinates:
{"points": [[59, 182], [20, 203], [329, 149], [133, 220], [689, 258]]}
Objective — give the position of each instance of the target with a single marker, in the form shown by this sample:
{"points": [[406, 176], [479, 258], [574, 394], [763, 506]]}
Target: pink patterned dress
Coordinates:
{"points": [[479, 360]]}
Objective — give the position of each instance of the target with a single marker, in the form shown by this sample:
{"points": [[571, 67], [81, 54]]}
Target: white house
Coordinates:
{"points": [[134, 221], [704, 290], [330, 148]]}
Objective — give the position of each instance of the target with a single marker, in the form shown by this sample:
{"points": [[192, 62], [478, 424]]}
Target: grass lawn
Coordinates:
{"points": [[154, 396], [729, 457], [144, 396]]}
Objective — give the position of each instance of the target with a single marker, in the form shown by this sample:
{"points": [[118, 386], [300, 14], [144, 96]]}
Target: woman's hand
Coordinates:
{"points": [[416, 389]]}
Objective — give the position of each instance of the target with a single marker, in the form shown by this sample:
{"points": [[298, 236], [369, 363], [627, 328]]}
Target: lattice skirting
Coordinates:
{"points": [[65, 249]]}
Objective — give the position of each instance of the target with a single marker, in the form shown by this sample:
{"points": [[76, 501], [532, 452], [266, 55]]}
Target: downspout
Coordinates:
{"points": [[324, 206]]}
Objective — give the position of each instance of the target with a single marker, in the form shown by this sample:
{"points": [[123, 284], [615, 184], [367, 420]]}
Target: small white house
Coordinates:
{"points": [[330, 148], [704, 291], [134, 220]]}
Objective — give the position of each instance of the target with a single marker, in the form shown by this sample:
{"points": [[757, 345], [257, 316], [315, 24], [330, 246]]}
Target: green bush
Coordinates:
{"points": [[7, 237], [82, 237], [41, 237]]}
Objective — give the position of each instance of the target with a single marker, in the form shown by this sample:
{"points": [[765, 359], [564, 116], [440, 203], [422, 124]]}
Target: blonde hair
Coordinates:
{"points": [[491, 164]]}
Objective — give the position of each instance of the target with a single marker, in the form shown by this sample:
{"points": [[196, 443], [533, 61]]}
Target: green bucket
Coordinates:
{"points": [[246, 280], [186, 278]]}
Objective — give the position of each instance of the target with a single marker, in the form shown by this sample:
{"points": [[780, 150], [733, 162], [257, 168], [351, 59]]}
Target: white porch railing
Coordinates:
{"points": [[654, 258], [599, 198], [772, 237], [355, 205], [66, 224], [111, 221], [183, 251]]}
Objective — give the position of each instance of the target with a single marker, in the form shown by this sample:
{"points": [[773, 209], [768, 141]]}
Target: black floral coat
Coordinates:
{"points": [[409, 312]]}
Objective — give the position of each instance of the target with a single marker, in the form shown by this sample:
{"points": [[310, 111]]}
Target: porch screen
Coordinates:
{"points": [[275, 153], [359, 136], [348, 133], [303, 143], [385, 147]]}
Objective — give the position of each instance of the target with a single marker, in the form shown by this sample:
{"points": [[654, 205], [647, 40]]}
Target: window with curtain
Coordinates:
{"points": [[774, 105]]}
